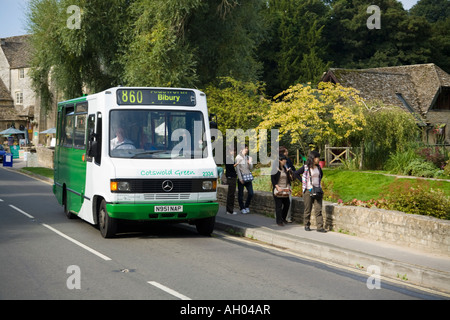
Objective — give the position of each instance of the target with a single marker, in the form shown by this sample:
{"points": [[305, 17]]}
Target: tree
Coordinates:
{"points": [[186, 43], [192, 42], [329, 114], [294, 49], [74, 57], [388, 130], [238, 104], [226, 35], [432, 10], [437, 13], [159, 54], [402, 39]]}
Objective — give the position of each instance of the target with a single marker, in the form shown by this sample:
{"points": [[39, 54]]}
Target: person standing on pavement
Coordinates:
{"points": [[311, 175], [244, 166], [281, 189], [290, 171], [230, 173]]}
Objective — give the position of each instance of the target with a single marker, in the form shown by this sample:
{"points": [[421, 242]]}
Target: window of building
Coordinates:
{"points": [[443, 99], [19, 97], [21, 73]]}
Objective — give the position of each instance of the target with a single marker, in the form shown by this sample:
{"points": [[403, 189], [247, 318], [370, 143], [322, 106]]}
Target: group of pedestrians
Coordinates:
{"points": [[238, 172]]}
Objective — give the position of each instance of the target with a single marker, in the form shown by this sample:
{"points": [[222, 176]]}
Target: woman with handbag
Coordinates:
{"points": [[244, 166], [281, 186], [311, 175]]}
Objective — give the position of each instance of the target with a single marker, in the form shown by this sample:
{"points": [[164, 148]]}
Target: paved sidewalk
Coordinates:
{"points": [[397, 263]]}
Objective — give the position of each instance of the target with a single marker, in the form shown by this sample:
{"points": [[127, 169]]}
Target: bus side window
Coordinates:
{"points": [[80, 131], [80, 125], [68, 130], [67, 126], [98, 158]]}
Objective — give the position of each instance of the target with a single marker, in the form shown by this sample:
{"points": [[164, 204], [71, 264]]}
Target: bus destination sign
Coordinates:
{"points": [[156, 97]]}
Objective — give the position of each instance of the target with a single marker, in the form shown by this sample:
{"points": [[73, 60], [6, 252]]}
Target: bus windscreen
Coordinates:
{"points": [[156, 134]]}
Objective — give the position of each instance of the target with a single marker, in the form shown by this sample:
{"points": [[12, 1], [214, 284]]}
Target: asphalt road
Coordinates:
{"points": [[43, 255]]}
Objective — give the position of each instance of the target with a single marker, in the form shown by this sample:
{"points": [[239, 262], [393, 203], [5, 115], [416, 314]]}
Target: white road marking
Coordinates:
{"points": [[77, 243], [22, 212], [168, 290], [98, 254]]}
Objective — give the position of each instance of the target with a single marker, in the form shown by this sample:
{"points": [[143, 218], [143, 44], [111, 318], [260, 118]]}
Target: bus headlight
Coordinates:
{"points": [[209, 185], [120, 186], [123, 186]]}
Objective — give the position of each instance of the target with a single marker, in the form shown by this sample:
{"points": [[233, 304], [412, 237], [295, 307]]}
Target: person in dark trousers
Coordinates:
{"points": [[290, 169], [311, 175], [244, 166], [230, 173], [281, 189]]}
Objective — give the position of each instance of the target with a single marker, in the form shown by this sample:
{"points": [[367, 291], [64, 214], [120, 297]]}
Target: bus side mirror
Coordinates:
{"points": [[92, 150]]}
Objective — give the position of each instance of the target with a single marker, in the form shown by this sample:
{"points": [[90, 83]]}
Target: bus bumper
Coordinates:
{"points": [[190, 211]]}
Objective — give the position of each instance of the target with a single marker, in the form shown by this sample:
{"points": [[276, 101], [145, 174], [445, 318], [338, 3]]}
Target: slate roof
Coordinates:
{"points": [[17, 51], [418, 84]]}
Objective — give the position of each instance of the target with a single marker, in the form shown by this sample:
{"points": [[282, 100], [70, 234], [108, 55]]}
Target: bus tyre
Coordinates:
{"points": [[106, 224], [66, 209], [205, 226]]}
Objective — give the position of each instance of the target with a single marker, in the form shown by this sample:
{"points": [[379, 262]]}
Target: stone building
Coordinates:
{"points": [[422, 90], [19, 105]]}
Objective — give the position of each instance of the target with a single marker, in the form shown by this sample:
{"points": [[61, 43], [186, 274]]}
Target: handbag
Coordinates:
{"points": [[315, 192], [281, 194], [247, 177]]}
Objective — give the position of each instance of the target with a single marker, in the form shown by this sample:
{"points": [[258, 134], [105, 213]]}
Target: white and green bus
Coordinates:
{"points": [[140, 154]]}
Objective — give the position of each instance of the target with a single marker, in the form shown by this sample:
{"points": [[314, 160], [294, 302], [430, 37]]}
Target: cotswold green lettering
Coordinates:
{"points": [[164, 97]]}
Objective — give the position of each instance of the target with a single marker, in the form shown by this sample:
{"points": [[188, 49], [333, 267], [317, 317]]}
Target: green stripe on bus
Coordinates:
{"points": [[147, 212]]}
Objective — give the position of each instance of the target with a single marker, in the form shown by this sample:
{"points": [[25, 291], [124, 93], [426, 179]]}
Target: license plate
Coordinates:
{"points": [[175, 208]]}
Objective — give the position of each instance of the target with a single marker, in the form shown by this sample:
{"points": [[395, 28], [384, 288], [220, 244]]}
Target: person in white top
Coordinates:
{"points": [[244, 166], [311, 175]]}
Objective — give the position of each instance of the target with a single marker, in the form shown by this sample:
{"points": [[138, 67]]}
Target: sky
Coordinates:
{"points": [[13, 18]]}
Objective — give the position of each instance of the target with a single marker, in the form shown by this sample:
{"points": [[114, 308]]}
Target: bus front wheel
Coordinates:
{"points": [[205, 226], [107, 225]]}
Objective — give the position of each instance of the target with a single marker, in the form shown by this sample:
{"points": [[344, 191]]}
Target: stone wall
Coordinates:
{"points": [[420, 232], [45, 157]]}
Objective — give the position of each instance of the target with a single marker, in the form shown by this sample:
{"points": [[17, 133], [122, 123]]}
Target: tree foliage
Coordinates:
{"points": [[294, 49], [388, 130], [316, 116], [240, 105], [192, 43], [76, 58], [401, 40]]}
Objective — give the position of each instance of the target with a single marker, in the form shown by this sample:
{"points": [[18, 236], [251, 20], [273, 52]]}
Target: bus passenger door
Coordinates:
{"points": [[93, 158]]}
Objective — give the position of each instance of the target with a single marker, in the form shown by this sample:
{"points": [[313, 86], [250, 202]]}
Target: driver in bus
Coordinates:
{"points": [[120, 141]]}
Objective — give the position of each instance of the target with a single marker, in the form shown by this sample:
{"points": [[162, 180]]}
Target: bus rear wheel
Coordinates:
{"points": [[205, 226], [106, 224], [67, 212]]}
